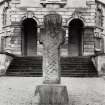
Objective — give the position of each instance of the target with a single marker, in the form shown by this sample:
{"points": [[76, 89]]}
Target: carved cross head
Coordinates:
{"points": [[52, 22], [52, 28]]}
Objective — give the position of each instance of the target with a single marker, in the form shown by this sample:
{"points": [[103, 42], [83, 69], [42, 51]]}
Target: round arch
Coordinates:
{"points": [[33, 17], [76, 21], [75, 35], [29, 37], [72, 18]]}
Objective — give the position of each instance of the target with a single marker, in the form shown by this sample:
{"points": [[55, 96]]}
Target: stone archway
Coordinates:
{"points": [[29, 37], [75, 37]]}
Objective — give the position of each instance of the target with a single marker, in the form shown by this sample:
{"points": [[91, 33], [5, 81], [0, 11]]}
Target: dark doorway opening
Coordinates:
{"points": [[75, 37], [29, 37]]}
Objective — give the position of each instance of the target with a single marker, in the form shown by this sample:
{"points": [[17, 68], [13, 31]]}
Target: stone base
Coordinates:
{"points": [[99, 64], [56, 81], [5, 61], [50, 95]]}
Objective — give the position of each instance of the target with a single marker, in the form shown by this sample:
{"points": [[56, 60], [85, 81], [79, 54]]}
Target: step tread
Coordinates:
{"points": [[70, 66]]}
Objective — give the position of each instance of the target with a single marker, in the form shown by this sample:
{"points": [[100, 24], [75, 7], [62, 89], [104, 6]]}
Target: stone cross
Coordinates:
{"points": [[52, 36]]}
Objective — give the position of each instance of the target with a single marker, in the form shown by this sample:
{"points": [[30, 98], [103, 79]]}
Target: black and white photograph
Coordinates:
{"points": [[52, 52]]}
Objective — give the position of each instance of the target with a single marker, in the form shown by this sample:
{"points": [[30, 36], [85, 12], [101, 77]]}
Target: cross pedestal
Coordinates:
{"points": [[51, 95], [52, 36]]}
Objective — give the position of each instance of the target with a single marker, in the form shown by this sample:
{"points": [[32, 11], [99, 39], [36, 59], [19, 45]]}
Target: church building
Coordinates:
{"points": [[83, 20]]}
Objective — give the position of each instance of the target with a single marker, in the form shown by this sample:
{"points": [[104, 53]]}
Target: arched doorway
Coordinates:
{"points": [[29, 37], [75, 37]]}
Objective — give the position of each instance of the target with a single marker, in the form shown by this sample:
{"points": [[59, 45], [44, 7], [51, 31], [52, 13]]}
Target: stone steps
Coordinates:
{"points": [[70, 67]]}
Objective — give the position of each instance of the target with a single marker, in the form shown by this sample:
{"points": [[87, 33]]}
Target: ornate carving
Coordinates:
{"points": [[99, 18], [52, 36], [77, 13]]}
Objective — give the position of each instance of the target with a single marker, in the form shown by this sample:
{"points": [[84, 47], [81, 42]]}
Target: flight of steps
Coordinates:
{"points": [[70, 67], [78, 67]]}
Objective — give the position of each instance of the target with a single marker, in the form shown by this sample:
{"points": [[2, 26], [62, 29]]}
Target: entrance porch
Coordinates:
{"points": [[79, 40]]}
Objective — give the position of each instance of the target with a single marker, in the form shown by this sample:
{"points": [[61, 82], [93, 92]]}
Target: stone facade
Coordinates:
{"points": [[89, 41]]}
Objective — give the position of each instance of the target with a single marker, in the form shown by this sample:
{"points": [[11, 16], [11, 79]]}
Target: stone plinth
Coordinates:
{"points": [[99, 63], [5, 60], [51, 95]]}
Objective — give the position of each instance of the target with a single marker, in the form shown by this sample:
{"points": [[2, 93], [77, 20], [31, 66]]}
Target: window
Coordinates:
{"points": [[99, 45], [5, 16], [99, 18], [98, 42]]}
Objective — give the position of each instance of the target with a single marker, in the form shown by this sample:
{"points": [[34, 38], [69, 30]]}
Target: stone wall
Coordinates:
{"points": [[18, 11], [99, 29]]}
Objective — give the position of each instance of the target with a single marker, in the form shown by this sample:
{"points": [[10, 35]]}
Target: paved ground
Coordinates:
{"points": [[82, 91]]}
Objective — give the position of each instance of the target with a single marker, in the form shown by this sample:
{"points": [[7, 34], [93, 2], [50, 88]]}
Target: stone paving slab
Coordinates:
{"points": [[82, 91]]}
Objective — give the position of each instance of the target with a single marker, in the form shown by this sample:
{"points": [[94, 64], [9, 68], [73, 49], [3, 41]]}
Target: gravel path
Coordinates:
{"points": [[82, 91]]}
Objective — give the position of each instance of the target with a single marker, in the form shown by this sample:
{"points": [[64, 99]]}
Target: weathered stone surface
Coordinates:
{"points": [[5, 61], [51, 95], [99, 63], [16, 12], [52, 36]]}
